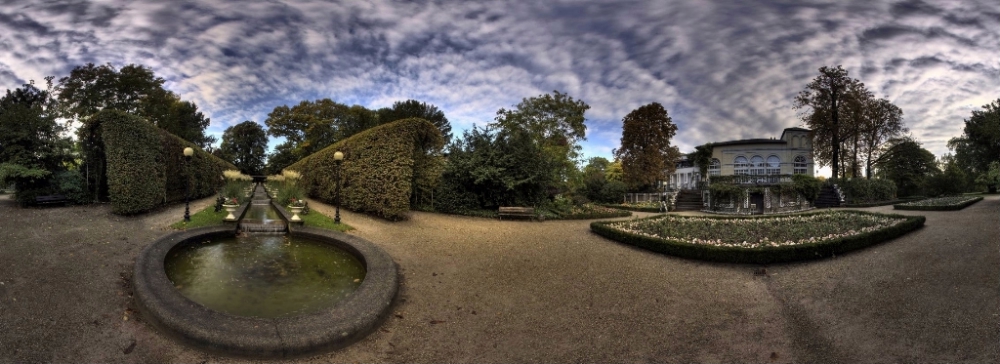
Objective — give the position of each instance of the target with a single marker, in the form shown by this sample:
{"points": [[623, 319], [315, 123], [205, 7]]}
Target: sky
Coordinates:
{"points": [[724, 70]]}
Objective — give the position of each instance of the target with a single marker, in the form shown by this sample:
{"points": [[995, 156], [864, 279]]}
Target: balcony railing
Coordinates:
{"points": [[745, 179]]}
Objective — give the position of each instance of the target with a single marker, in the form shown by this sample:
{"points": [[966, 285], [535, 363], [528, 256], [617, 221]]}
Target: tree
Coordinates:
{"points": [[313, 125], [244, 144], [979, 144], [702, 157], [825, 97], [646, 154], [991, 177], [282, 157], [906, 163], [416, 109], [594, 178], [489, 168], [134, 89], [32, 149], [882, 121], [555, 122]]}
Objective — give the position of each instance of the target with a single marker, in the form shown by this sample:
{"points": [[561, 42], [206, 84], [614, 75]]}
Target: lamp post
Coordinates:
{"points": [[338, 157], [188, 152]]}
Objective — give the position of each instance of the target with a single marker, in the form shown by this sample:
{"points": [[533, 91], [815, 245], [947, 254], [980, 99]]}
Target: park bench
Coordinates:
{"points": [[51, 199], [516, 211]]}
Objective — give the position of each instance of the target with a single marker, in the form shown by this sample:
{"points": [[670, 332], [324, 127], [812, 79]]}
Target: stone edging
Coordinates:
{"points": [[331, 328]]}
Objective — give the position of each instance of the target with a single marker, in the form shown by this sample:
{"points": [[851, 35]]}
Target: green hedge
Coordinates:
{"points": [[764, 255], [938, 208], [865, 191], [632, 208], [146, 167], [385, 168]]}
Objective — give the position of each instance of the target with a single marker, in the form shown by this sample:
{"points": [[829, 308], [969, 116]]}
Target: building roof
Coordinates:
{"points": [[750, 141], [792, 129]]}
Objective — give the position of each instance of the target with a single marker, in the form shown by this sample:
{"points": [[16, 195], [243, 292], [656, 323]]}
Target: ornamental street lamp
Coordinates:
{"points": [[338, 157], [188, 152]]}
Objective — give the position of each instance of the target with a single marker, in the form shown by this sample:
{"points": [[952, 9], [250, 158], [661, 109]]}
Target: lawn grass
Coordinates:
{"points": [[318, 220], [208, 217]]}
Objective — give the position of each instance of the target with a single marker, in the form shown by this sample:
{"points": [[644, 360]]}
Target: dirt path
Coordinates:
{"points": [[480, 290]]}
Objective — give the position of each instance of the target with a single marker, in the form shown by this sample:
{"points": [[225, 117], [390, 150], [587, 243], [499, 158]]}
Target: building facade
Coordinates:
{"points": [[762, 161]]}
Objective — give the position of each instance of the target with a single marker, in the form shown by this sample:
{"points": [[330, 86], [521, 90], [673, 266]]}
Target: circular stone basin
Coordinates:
{"points": [[303, 306], [265, 275]]}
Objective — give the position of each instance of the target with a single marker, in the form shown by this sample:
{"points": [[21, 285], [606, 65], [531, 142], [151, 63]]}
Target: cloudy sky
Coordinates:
{"points": [[723, 69]]}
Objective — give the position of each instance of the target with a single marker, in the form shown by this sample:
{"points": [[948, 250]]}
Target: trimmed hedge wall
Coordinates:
{"points": [[146, 167], [385, 168], [633, 208], [938, 208], [764, 255]]}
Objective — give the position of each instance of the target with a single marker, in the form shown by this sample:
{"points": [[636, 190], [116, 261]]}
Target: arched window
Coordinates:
{"points": [[740, 165], [715, 168], [757, 165], [799, 166], [773, 165]]}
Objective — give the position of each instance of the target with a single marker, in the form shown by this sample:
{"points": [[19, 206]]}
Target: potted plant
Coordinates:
{"points": [[296, 205], [231, 205]]}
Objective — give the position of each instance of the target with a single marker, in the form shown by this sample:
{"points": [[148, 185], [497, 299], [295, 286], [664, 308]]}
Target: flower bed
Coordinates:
{"points": [[940, 204], [768, 239]]}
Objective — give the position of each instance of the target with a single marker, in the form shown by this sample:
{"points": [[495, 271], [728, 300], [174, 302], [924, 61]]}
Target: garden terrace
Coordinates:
{"points": [[761, 239], [940, 203]]}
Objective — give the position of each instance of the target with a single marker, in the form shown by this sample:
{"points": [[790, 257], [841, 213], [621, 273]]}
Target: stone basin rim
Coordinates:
{"points": [[330, 328]]}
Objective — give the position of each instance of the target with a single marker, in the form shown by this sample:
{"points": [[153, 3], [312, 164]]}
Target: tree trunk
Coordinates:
{"points": [[836, 133]]}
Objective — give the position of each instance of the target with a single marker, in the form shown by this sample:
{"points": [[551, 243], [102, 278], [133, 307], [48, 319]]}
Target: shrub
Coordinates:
{"points": [[807, 185], [145, 164], [866, 191], [613, 191], [940, 204], [382, 168]]}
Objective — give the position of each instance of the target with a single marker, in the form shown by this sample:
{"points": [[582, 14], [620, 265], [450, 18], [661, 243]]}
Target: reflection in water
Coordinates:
{"points": [[264, 276]]}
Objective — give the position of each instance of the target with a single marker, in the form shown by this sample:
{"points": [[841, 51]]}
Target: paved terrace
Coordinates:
{"points": [[479, 290]]}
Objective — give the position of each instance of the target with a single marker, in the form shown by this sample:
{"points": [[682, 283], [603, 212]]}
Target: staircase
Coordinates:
{"points": [[829, 196], [688, 200]]}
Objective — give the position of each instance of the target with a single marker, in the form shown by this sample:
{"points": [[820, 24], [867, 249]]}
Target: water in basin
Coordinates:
{"points": [[264, 275]]}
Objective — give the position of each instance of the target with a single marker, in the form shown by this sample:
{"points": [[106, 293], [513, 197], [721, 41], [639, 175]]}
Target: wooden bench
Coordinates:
{"points": [[516, 211], [51, 199]]}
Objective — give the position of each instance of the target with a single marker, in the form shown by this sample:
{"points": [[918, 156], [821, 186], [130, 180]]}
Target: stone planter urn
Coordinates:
{"points": [[230, 209], [295, 213]]}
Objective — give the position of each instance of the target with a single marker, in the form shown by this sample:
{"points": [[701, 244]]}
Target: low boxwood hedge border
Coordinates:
{"points": [[590, 216], [764, 255], [632, 208], [876, 204], [938, 208]]}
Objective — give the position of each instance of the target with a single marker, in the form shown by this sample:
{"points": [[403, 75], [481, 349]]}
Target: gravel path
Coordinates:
{"points": [[480, 290]]}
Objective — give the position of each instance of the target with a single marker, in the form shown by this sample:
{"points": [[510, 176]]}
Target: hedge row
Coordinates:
{"points": [[146, 166], [878, 203], [764, 255], [384, 168], [632, 208], [938, 208]]}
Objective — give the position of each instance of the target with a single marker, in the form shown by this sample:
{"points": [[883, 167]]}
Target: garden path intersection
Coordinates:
{"points": [[481, 290]]}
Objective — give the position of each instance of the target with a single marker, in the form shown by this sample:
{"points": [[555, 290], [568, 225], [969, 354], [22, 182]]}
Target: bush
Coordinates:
{"points": [[867, 191], [613, 191], [145, 165], [806, 185], [383, 168]]}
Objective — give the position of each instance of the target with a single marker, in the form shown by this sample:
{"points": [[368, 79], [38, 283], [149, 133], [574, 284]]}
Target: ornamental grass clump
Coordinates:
{"points": [[234, 191], [290, 193]]}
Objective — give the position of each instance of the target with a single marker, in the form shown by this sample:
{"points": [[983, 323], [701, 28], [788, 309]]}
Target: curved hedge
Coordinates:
{"points": [[762, 255], [954, 207], [146, 166], [384, 168]]}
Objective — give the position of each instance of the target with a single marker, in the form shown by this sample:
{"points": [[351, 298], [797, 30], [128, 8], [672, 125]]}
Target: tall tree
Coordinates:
{"points": [[313, 125], [555, 122], [245, 144], [645, 153], [134, 89], [906, 163], [882, 121], [825, 97], [31, 145], [416, 109], [979, 144]]}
